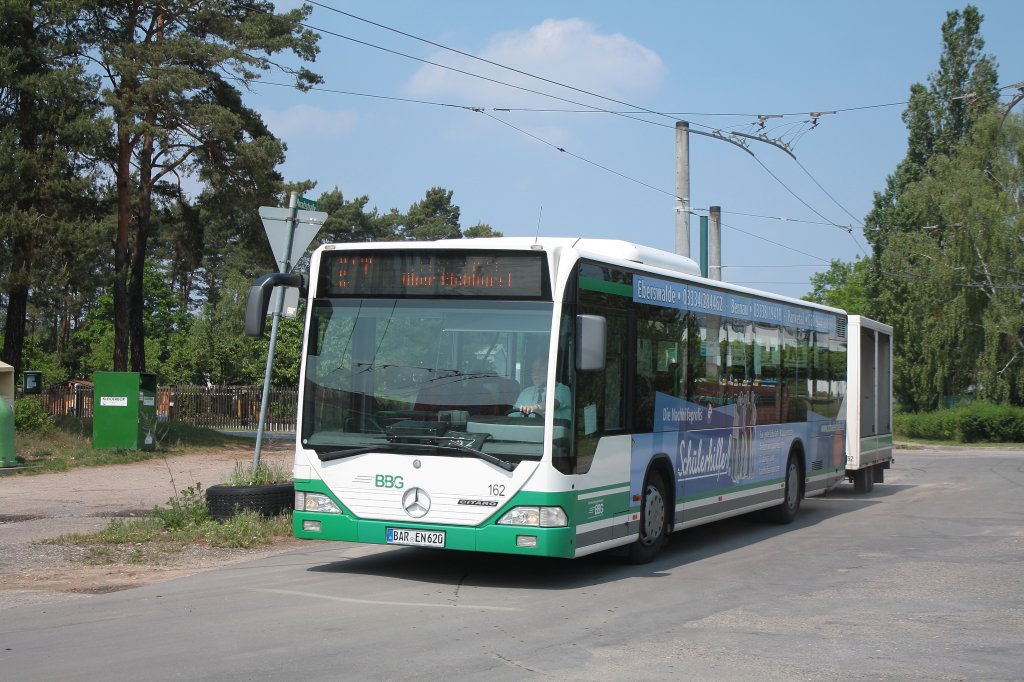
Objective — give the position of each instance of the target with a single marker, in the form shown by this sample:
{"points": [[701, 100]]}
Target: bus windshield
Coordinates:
{"points": [[439, 376]]}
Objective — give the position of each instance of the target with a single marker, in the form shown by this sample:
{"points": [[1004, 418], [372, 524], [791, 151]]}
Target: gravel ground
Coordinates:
{"points": [[84, 500]]}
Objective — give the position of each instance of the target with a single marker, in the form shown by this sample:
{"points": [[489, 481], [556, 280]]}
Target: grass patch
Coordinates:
{"points": [[169, 530], [265, 474], [179, 435], [68, 444]]}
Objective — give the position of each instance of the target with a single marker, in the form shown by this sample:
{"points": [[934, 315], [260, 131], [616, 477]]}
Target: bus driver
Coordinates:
{"points": [[531, 399]]}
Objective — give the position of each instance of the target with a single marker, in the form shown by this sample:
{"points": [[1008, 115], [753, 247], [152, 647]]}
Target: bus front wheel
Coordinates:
{"points": [[653, 521]]}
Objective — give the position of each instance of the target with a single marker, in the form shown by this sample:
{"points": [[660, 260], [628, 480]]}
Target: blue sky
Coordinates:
{"points": [[617, 177]]}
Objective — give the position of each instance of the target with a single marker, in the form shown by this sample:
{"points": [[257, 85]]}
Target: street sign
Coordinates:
{"points": [[306, 204], [276, 223]]}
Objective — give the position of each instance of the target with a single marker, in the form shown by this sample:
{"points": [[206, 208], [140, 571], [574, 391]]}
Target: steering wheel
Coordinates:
{"points": [[524, 415]]}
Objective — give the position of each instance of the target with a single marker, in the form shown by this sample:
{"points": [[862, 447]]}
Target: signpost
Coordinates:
{"points": [[290, 231]]}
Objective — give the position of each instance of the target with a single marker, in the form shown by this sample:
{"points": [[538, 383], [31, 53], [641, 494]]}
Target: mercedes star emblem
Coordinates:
{"points": [[416, 502]]}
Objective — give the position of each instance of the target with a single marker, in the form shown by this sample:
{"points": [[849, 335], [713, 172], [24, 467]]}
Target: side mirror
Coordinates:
{"points": [[259, 298], [591, 336]]}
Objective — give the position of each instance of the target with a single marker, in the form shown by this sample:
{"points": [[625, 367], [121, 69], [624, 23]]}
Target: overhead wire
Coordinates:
{"points": [[522, 131], [488, 61], [595, 109], [577, 156], [770, 241], [582, 91], [482, 77]]}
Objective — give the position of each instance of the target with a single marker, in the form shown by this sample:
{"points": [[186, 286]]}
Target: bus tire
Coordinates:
{"points": [[653, 521], [864, 480], [792, 493]]}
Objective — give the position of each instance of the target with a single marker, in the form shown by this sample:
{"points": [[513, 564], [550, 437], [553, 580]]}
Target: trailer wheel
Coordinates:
{"points": [[653, 521], [864, 480], [792, 494]]}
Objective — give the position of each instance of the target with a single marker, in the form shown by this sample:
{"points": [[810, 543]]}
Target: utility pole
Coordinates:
{"points": [[683, 188], [715, 242]]}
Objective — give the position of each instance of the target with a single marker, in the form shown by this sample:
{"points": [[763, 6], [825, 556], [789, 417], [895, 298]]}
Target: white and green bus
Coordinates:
{"points": [[553, 397]]}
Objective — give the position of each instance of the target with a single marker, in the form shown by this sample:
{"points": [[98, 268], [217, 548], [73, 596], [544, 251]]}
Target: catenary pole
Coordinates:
{"points": [[683, 188], [715, 243]]}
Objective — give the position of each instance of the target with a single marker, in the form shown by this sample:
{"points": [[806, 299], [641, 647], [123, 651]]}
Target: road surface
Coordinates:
{"points": [[920, 579]]}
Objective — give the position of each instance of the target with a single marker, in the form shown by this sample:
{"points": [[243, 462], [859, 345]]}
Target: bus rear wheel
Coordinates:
{"points": [[786, 512], [653, 521]]}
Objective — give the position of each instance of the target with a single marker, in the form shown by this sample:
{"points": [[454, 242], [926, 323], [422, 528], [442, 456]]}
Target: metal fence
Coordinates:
{"points": [[225, 408]]}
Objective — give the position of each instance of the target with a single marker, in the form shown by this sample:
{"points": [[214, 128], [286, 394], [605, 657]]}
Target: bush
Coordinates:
{"points": [[30, 416], [975, 423], [185, 510]]}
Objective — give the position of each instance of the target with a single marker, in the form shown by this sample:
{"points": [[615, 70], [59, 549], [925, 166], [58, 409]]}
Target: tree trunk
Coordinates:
{"points": [[14, 330], [122, 304], [136, 292], [136, 284]]}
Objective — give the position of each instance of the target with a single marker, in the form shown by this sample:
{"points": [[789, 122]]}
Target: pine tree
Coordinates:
{"points": [[172, 71], [50, 128]]}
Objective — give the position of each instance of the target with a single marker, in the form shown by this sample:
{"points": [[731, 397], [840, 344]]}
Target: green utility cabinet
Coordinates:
{"points": [[124, 410]]}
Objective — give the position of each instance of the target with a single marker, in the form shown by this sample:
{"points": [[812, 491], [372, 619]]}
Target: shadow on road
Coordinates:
{"points": [[520, 572]]}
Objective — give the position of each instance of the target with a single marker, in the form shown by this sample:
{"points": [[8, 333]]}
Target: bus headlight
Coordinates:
{"points": [[315, 502], [542, 517]]}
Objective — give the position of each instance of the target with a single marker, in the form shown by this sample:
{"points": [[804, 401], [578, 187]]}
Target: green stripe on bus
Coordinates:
{"points": [[615, 288], [872, 443], [600, 488]]}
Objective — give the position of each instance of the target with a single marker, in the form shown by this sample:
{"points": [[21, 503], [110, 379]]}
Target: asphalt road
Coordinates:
{"points": [[921, 579]]}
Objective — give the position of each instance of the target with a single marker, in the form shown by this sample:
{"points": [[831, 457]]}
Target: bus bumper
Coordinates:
{"points": [[525, 540]]}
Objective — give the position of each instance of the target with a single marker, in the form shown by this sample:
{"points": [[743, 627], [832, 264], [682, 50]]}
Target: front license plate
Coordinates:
{"points": [[418, 538]]}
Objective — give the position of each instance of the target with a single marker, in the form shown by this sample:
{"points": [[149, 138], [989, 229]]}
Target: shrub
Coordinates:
{"points": [[975, 423], [187, 509], [30, 416]]}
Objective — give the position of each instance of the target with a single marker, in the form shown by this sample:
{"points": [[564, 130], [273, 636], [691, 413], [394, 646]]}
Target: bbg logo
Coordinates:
{"points": [[388, 481]]}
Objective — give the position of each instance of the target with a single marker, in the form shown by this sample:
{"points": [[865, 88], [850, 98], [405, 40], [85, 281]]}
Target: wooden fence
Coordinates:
{"points": [[225, 408]]}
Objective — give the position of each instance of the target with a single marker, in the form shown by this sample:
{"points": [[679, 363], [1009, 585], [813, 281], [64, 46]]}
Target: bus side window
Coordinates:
{"points": [[795, 366], [704, 359], [767, 373], [659, 337]]}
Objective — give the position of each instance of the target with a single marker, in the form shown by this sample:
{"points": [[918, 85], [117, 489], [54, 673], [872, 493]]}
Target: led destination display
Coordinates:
{"points": [[434, 274]]}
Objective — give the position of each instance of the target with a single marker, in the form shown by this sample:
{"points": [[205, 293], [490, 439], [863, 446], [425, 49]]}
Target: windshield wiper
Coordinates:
{"points": [[486, 456], [350, 452], [396, 446]]}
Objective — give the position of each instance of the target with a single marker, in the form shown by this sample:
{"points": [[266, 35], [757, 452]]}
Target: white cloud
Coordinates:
{"points": [[305, 122], [570, 51]]}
